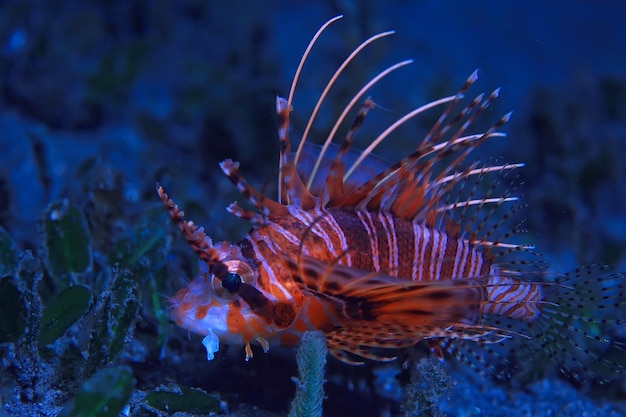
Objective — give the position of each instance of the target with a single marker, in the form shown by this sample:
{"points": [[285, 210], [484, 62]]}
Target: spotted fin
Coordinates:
{"points": [[360, 339], [579, 328], [578, 332]]}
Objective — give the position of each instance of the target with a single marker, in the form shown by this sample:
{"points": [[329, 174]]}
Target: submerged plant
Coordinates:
{"points": [[66, 320], [311, 359]]}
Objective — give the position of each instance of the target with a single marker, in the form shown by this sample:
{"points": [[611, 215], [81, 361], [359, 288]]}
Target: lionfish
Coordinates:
{"points": [[381, 256]]}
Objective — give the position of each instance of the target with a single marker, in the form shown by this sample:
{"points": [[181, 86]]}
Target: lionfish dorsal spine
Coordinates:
{"points": [[283, 108], [345, 112], [330, 84], [334, 180]]}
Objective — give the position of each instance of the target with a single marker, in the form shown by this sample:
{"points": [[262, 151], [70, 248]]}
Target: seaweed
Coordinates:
{"points": [[101, 100], [67, 243], [105, 394], [60, 332], [191, 400], [62, 311], [68, 313], [114, 316]]}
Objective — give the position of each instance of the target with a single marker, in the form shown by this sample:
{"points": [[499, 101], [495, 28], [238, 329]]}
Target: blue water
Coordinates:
{"points": [[160, 91]]}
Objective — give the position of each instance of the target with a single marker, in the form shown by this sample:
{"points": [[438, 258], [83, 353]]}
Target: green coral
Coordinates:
{"points": [[311, 359]]}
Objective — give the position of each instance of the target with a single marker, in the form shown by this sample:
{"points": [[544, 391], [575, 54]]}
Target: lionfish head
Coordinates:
{"points": [[226, 301], [211, 305]]}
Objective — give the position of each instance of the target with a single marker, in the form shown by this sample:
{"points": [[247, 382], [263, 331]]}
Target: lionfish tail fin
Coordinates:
{"points": [[578, 327], [575, 330]]}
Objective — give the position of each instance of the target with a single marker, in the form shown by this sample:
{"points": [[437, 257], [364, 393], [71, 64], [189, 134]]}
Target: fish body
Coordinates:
{"points": [[381, 255]]}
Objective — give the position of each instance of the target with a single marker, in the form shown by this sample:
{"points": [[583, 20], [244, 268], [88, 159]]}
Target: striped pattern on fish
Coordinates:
{"points": [[384, 255]]}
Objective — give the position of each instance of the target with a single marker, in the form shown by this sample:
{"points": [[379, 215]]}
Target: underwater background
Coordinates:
{"points": [[101, 99]]}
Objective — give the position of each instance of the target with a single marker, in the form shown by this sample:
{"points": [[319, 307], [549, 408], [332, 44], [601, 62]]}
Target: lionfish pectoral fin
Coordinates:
{"points": [[365, 295], [485, 355], [360, 339], [378, 311]]}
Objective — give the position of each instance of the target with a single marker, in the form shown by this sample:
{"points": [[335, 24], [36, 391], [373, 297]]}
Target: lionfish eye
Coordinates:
{"points": [[239, 271], [232, 282]]}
